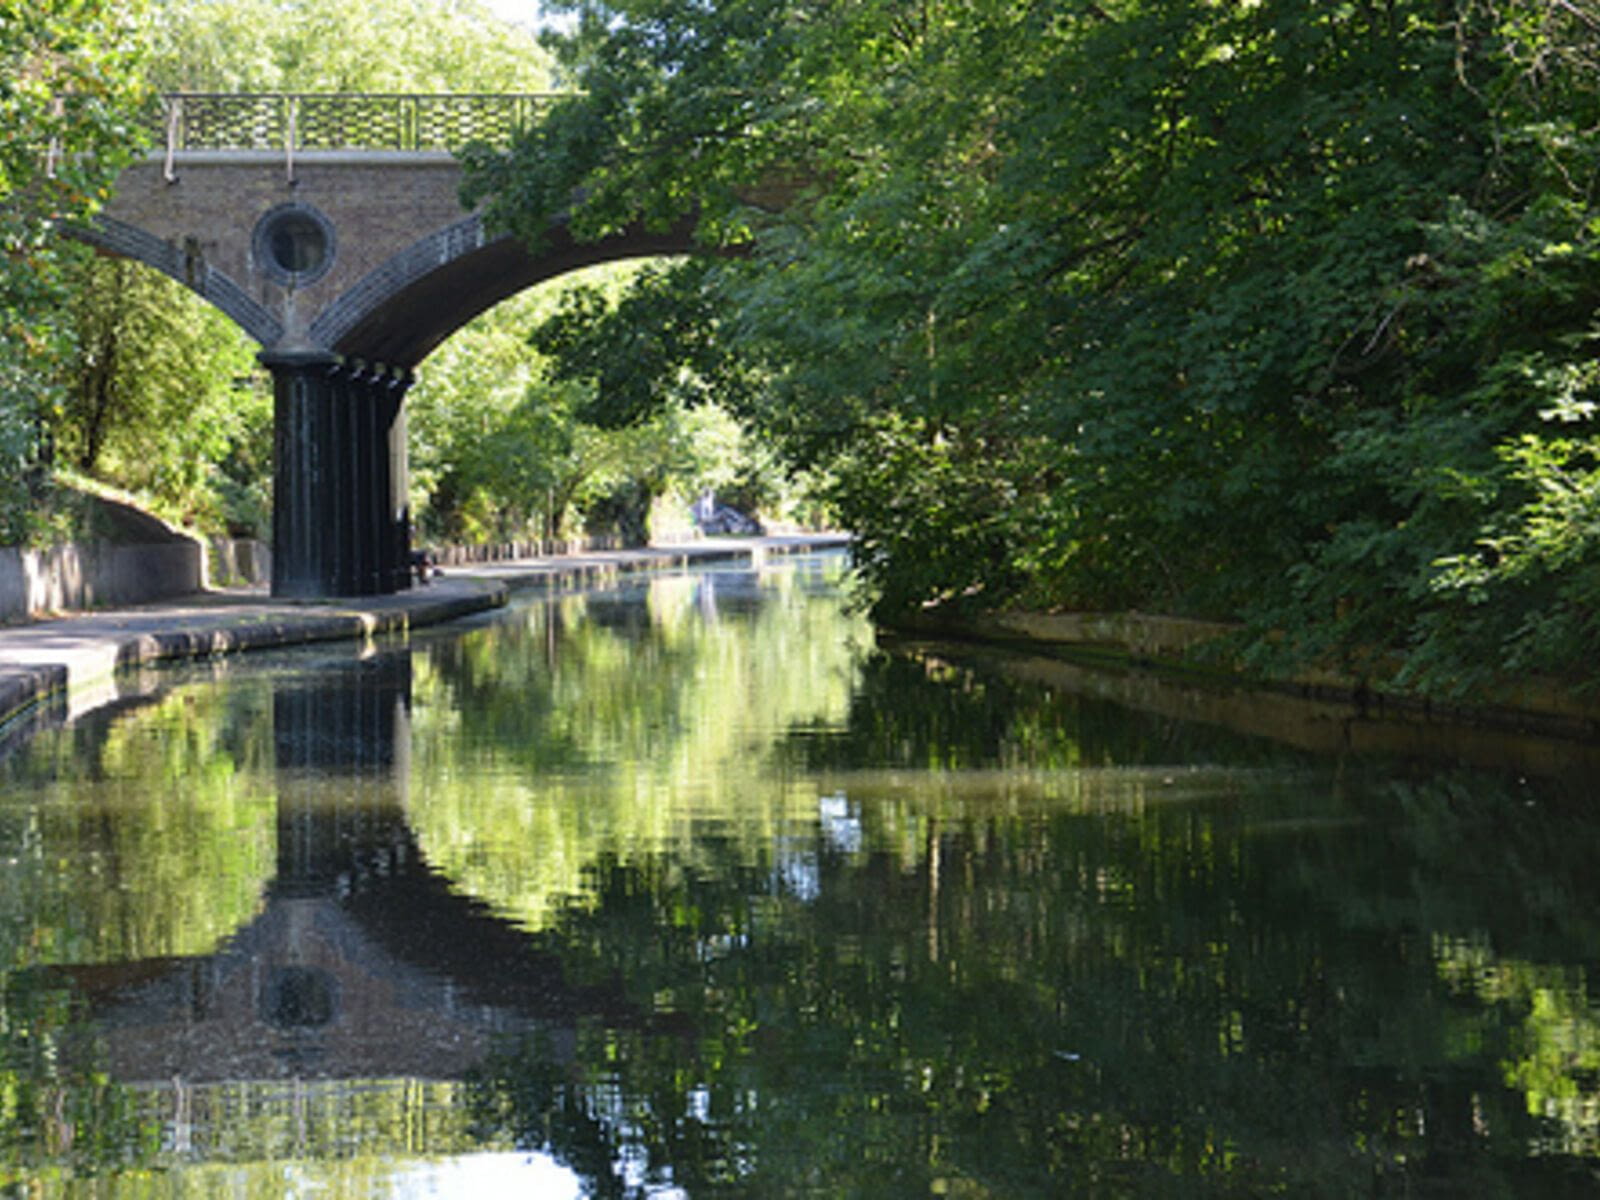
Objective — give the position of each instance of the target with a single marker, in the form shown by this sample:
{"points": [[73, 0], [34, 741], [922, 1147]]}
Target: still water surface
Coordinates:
{"points": [[686, 889]]}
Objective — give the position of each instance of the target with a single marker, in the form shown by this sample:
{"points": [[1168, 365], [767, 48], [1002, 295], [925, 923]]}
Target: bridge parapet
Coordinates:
{"points": [[311, 121]]}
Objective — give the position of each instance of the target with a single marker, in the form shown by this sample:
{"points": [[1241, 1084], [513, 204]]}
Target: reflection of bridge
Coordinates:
{"points": [[363, 963], [330, 229]]}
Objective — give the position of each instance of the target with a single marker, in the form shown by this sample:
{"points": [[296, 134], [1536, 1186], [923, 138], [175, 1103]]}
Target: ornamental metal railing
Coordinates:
{"points": [[303, 122]]}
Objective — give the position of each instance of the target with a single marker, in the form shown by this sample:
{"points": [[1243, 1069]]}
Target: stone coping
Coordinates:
{"points": [[75, 658]]}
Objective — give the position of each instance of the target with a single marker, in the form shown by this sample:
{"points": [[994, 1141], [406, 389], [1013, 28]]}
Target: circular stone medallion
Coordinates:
{"points": [[293, 244]]}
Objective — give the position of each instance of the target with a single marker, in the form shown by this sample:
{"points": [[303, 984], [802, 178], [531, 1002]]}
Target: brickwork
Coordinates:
{"points": [[200, 226], [409, 266]]}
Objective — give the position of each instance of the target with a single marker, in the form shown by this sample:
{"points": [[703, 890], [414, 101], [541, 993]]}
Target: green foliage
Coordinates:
{"points": [[163, 396], [365, 46], [504, 448], [68, 85], [656, 346], [1246, 311]]}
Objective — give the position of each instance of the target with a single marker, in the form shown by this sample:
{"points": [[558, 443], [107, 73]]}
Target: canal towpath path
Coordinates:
{"points": [[74, 659]]}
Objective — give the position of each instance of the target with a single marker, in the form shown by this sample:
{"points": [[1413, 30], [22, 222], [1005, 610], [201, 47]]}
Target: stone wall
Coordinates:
{"points": [[84, 575], [35, 583], [242, 562]]}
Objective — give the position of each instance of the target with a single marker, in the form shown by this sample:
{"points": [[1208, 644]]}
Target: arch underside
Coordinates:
{"points": [[402, 312], [129, 241]]}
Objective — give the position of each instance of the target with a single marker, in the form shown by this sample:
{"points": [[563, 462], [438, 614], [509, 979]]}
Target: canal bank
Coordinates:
{"points": [[72, 662], [1169, 645]]}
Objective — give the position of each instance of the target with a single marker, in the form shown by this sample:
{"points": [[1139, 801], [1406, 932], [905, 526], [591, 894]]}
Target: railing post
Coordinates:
{"points": [[174, 106], [290, 133]]}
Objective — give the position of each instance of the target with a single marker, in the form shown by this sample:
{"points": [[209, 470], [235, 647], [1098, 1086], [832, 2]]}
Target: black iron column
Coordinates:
{"points": [[340, 522]]}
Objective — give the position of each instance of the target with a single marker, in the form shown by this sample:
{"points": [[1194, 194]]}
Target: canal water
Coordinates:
{"points": [[687, 888]]}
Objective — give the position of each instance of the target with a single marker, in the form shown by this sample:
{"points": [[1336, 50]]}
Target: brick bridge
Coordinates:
{"points": [[330, 229]]}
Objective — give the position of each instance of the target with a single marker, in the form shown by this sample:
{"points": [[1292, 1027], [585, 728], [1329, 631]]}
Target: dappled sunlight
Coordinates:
{"points": [[1553, 1058]]}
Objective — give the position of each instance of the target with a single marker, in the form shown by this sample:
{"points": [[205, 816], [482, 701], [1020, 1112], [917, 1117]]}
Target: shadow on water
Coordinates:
{"points": [[684, 889]]}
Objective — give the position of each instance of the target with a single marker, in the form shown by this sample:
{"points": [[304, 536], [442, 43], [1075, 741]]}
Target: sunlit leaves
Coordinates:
{"points": [[68, 95], [363, 46], [1267, 275]]}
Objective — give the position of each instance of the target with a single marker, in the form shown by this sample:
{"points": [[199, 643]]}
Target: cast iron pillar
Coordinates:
{"points": [[340, 521]]}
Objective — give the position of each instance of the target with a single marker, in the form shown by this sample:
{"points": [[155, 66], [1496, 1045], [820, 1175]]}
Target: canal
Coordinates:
{"points": [[686, 887]]}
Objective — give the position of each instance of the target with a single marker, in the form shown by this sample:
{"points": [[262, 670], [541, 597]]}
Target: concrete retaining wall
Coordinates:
{"points": [[95, 575], [244, 562]]}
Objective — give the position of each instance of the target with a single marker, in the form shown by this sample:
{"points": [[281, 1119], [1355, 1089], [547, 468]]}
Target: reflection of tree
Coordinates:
{"points": [[1166, 1000], [594, 726], [138, 838], [52, 1109], [141, 832]]}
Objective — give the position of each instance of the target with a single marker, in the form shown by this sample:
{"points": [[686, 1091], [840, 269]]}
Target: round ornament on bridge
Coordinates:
{"points": [[293, 244]]}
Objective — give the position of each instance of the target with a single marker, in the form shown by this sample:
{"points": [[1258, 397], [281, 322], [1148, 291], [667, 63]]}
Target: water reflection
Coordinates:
{"points": [[354, 963], [361, 962], [683, 890]]}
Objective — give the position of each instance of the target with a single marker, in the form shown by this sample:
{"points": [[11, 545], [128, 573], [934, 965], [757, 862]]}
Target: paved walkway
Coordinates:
{"points": [[79, 655]]}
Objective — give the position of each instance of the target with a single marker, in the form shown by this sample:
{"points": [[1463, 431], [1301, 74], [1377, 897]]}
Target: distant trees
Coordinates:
{"points": [[503, 449], [359, 46], [1279, 311]]}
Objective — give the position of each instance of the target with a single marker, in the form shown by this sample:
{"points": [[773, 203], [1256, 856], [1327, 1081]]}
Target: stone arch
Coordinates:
{"points": [[187, 267], [400, 312]]}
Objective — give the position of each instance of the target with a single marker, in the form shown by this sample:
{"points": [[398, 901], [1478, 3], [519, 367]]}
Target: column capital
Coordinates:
{"points": [[298, 358]]}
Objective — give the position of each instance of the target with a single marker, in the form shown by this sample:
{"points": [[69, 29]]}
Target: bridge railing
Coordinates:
{"points": [[288, 122]]}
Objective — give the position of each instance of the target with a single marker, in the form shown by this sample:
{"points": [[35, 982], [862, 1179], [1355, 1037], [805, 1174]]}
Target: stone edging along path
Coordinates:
{"points": [[78, 656]]}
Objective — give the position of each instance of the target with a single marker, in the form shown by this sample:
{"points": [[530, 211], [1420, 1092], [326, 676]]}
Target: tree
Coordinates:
{"points": [[162, 396], [366, 46], [505, 448], [68, 89], [1276, 312]]}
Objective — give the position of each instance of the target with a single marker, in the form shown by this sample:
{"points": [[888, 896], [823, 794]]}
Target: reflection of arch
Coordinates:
{"points": [[401, 311], [363, 962], [380, 972], [188, 268]]}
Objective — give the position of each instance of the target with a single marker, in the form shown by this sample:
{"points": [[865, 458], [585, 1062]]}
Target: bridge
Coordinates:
{"points": [[330, 229]]}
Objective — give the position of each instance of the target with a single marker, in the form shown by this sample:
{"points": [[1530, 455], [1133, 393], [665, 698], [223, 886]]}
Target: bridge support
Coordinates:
{"points": [[340, 516]]}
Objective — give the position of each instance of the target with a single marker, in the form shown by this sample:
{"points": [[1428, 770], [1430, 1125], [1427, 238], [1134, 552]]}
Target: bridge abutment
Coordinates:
{"points": [[340, 516]]}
